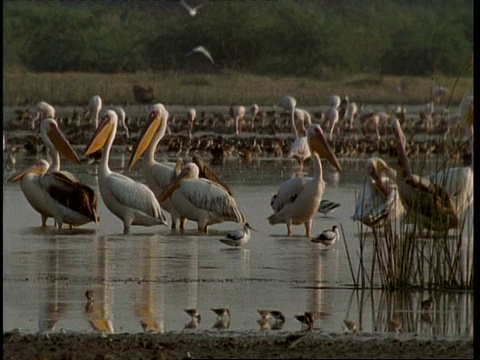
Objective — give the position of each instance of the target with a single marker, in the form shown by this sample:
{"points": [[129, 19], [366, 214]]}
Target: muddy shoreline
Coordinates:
{"points": [[230, 345]]}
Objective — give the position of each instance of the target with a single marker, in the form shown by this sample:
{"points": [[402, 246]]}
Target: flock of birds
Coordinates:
{"points": [[194, 192], [269, 319]]}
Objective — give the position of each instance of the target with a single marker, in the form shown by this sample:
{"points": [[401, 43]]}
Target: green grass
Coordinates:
{"points": [[222, 87]]}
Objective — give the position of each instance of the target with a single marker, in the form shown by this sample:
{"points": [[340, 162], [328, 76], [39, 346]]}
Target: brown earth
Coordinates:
{"points": [[229, 345]]}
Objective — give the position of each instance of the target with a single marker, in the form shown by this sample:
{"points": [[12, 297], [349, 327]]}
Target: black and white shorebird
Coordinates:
{"points": [[328, 237], [327, 206], [238, 237]]}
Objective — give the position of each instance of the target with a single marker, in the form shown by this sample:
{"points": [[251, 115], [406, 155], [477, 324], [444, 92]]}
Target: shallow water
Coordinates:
{"points": [[152, 274]]}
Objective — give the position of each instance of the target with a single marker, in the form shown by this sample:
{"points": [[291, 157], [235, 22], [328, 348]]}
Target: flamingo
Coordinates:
{"points": [[201, 200], [69, 200], [131, 201], [288, 103], [254, 111], [300, 149], [94, 107], [237, 112], [44, 110], [332, 115], [191, 116], [30, 183], [298, 199], [157, 174]]}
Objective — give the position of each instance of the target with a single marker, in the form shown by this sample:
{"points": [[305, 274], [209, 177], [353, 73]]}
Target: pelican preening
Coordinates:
{"points": [[157, 174], [132, 202], [327, 237], [68, 200], [201, 200], [426, 203], [238, 237], [378, 201], [30, 183], [202, 50], [298, 198]]}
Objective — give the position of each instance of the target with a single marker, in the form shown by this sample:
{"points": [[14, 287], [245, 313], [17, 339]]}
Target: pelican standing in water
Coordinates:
{"points": [[157, 174], [201, 200], [238, 237], [132, 202], [425, 202], [298, 199], [69, 200], [30, 183], [378, 202]]}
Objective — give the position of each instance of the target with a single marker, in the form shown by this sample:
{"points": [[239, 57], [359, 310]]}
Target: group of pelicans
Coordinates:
{"points": [[193, 191]]}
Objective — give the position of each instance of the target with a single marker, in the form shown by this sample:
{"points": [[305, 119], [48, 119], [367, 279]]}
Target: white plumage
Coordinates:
{"points": [[157, 174], [68, 200], [30, 183], [202, 50], [327, 206], [201, 200], [132, 202], [191, 10], [328, 237], [238, 237], [298, 198]]}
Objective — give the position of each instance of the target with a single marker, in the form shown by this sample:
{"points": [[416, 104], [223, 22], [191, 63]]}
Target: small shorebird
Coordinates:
{"points": [[328, 237], [193, 314], [264, 323], [427, 304], [238, 237], [395, 325], [351, 325], [221, 324], [327, 206], [306, 319], [221, 312]]}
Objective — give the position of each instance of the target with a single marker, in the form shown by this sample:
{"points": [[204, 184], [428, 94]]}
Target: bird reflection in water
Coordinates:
{"points": [[145, 310], [100, 296], [55, 305]]}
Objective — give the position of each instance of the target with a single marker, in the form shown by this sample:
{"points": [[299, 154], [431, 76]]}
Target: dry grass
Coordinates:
{"points": [[221, 87]]}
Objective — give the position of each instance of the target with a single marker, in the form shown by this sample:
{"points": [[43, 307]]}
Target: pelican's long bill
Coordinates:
{"points": [[153, 124], [398, 132], [61, 143], [174, 185], [38, 168], [319, 144], [100, 136]]}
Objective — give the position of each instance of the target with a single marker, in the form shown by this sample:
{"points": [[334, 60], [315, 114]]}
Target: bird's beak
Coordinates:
{"points": [[174, 185], [62, 144], [35, 169], [319, 144], [153, 124], [398, 132], [100, 136]]}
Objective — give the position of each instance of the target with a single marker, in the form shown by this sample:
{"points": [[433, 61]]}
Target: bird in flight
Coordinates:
{"points": [[191, 10], [202, 50]]}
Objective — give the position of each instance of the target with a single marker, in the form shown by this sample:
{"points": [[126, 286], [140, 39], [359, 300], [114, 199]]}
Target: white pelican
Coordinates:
{"points": [[132, 202], [378, 202], [238, 237], [201, 200], [298, 198], [300, 149], [423, 200], [327, 206], [69, 200], [32, 189], [327, 237], [157, 174]]}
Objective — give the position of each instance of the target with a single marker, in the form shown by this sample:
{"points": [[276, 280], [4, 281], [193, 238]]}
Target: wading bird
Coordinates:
{"points": [[327, 206], [298, 198], [327, 237], [238, 237], [131, 201]]}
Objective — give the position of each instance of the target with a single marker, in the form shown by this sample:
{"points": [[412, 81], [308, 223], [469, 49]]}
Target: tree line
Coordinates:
{"points": [[322, 39]]}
